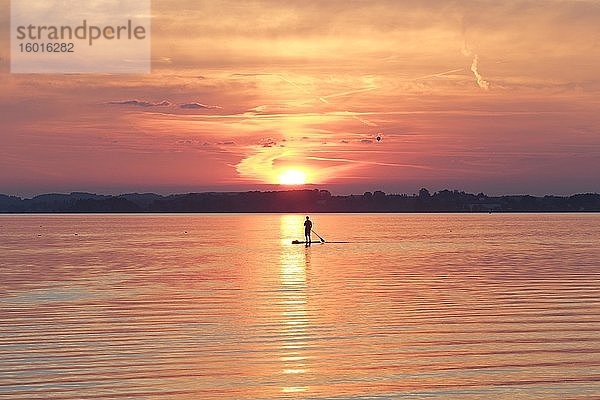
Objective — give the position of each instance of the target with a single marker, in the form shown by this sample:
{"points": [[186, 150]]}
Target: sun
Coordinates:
{"points": [[292, 177]]}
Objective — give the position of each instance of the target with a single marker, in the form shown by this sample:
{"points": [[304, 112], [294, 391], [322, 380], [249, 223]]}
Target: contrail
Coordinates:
{"points": [[480, 81], [368, 162], [292, 83], [364, 121], [346, 93], [439, 74], [323, 99]]}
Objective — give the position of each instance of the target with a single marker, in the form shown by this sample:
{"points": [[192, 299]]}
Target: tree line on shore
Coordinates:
{"points": [[302, 201]]}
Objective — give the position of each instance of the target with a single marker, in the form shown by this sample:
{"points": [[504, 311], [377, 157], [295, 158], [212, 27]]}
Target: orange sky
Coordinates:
{"points": [[501, 97]]}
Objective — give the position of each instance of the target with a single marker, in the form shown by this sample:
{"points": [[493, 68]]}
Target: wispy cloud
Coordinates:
{"points": [[196, 106], [141, 103]]}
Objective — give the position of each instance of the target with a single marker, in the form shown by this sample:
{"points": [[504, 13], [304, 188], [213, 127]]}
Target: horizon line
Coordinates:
{"points": [[291, 189]]}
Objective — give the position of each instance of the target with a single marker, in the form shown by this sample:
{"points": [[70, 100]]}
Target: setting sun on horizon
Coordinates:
{"points": [[292, 177]]}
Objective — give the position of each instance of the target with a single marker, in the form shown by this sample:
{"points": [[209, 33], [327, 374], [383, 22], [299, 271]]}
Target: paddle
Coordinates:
{"points": [[322, 240]]}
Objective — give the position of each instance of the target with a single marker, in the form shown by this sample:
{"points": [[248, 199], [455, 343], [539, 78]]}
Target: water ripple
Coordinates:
{"points": [[225, 307]]}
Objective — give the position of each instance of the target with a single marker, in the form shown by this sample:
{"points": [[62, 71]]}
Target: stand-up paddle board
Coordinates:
{"points": [[315, 242]]}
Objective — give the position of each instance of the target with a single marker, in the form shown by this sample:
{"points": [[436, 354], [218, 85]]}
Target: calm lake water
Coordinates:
{"points": [[225, 307]]}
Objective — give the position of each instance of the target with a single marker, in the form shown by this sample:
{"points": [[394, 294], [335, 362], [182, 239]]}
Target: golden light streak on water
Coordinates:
{"points": [[294, 317]]}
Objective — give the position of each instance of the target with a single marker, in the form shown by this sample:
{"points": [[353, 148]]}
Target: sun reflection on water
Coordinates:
{"points": [[295, 321]]}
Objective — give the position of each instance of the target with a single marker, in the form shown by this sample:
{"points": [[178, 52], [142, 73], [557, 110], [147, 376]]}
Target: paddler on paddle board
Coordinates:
{"points": [[307, 229]]}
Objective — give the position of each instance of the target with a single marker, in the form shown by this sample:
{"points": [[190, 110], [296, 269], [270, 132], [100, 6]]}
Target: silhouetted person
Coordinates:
{"points": [[307, 229]]}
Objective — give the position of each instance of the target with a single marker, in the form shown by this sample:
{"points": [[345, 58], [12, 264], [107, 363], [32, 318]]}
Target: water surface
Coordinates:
{"points": [[225, 307]]}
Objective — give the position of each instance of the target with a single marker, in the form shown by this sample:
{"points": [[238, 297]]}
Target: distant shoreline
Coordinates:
{"points": [[297, 201]]}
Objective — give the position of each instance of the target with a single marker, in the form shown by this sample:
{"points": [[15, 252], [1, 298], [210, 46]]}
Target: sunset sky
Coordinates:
{"points": [[493, 96]]}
